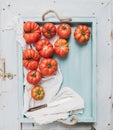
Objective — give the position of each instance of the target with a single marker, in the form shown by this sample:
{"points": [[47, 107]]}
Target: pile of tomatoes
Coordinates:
{"points": [[38, 59]]}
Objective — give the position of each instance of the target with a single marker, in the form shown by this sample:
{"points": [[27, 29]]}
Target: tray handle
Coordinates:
{"points": [[72, 121], [52, 11]]}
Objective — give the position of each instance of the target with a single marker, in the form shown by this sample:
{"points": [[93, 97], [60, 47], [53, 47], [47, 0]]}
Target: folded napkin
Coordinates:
{"points": [[69, 101], [61, 111]]}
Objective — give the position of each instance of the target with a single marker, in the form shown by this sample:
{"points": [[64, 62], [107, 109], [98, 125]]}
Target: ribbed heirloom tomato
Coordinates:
{"points": [[82, 34], [34, 77], [49, 30], [30, 59], [64, 30], [37, 93], [48, 66], [45, 48], [61, 47], [32, 32]]}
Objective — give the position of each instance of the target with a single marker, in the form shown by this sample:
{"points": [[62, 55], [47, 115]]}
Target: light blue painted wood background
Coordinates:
{"points": [[9, 112]]}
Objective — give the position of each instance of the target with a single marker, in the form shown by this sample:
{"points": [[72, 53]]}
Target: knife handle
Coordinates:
{"points": [[37, 108]]}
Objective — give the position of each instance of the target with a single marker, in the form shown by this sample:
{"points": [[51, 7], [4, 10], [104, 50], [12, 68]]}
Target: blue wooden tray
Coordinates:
{"points": [[78, 69]]}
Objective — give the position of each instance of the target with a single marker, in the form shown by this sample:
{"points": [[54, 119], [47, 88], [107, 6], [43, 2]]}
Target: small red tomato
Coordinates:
{"points": [[82, 34], [30, 59], [49, 30], [37, 93], [48, 66], [32, 32], [34, 77], [45, 48], [64, 30], [61, 47]]}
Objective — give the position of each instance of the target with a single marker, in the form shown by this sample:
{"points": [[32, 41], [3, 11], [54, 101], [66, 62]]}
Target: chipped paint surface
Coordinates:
{"points": [[8, 49]]}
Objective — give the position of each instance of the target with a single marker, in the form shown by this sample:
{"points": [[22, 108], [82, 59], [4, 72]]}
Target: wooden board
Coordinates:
{"points": [[78, 69]]}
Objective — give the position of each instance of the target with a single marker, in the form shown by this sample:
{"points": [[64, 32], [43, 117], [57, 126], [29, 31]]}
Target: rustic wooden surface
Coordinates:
{"points": [[8, 50]]}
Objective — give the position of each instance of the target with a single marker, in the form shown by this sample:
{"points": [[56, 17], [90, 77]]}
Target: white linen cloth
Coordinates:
{"points": [[51, 86], [50, 114], [61, 111]]}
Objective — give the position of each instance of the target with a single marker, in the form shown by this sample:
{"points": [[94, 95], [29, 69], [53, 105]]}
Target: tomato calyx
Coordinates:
{"points": [[30, 59], [38, 92], [49, 31], [62, 46], [45, 47], [31, 31], [34, 74], [49, 66], [83, 32], [64, 27]]}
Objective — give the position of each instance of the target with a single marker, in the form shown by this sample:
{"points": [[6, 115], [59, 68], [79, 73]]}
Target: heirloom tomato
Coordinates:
{"points": [[32, 32], [49, 30], [45, 48], [34, 77], [64, 30], [30, 59], [61, 47], [37, 93], [48, 66], [82, 34]]}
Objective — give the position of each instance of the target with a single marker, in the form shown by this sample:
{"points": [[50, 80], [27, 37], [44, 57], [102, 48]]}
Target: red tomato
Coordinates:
{"points": [[45, 48], [37, 93], [34, 77], [49, 30], [64, 30], [48, 66], [30, 59], [32, 32], [82, 34], [61, 47]]}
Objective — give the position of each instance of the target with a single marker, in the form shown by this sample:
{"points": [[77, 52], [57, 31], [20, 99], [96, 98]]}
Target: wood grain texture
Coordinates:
{"points": [[9, 89]]}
